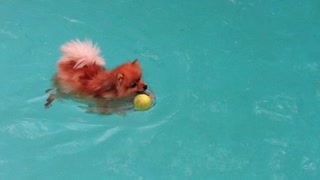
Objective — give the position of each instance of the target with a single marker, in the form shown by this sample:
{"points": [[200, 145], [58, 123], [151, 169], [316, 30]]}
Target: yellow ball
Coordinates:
{"points": [[142, 102]]}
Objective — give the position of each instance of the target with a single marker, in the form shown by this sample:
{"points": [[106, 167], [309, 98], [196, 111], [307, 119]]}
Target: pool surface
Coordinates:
{"points": [[236, 84]]}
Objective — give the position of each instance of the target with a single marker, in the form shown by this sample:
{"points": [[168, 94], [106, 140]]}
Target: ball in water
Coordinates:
{"points": [[142, 102]]}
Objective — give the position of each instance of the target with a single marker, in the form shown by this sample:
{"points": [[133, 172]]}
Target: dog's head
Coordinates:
{"points": [[129, 79]]}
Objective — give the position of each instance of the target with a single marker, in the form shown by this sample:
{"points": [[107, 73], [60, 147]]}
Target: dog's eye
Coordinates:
{"points": [[133, 85]]}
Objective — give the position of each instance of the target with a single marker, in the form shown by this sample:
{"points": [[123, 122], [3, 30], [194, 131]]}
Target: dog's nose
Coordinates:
{"points": [[145, 87]]}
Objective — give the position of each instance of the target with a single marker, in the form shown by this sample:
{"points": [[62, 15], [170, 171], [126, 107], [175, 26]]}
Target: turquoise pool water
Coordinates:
{"points": [[236, 84]]}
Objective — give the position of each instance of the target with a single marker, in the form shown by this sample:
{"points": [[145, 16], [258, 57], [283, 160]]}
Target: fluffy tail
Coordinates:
{"points": [[81, 53]]}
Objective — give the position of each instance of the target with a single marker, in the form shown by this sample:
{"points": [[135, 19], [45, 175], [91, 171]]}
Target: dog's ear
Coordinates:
{"points": [[135, 62], [119, 78]]}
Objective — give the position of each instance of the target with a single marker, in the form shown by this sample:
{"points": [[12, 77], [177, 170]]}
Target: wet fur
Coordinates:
{"points": [[81, 74]]}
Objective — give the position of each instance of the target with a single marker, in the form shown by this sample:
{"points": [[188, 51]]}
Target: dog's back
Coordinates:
{"points": [[79, 65]]}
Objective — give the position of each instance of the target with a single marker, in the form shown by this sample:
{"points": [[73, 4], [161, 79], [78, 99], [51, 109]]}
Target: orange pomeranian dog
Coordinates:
{"points": [[81, 75]]}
